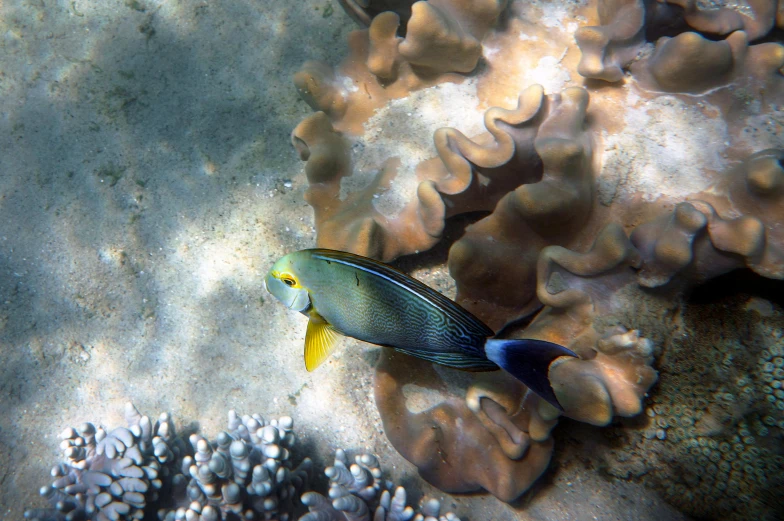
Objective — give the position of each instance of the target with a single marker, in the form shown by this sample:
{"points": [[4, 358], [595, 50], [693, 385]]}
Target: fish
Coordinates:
{"points": [[343, 294]]}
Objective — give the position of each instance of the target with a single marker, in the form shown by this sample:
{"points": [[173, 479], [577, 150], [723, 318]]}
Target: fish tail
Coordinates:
{"points": [[529, 361]]}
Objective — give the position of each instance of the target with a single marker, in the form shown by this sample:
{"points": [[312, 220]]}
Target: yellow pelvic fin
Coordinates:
{"points": [[319, 342]]}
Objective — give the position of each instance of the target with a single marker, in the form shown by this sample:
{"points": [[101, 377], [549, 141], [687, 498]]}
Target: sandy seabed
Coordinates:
{"points": [[147, 182]]}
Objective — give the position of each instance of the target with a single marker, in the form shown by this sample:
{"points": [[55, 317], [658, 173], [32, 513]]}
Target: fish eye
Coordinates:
{"points": [[288, 281]]}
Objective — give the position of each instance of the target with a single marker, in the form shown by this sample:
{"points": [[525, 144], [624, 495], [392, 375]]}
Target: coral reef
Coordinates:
{"points": [[640, 157], [688, 62], [247, 472]]}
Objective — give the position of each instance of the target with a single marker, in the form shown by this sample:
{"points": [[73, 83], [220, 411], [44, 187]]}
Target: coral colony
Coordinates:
{"points": [[246, 473], [619, 167]]}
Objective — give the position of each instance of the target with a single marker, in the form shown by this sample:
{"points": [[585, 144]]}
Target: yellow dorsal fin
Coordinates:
{"points": [[319, 341]]}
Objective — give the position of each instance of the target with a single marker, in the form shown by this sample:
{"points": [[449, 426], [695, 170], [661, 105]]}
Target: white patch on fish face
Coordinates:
{"points": [[296, 297], [301, 301]]}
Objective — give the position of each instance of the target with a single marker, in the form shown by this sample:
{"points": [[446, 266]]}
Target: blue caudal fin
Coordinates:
{"points": [[529, 361]]}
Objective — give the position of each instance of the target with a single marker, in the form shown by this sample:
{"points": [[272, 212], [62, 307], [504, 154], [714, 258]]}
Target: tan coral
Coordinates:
{"points": [[364, 11], [780, 16], [475, 173], [614, 370], [317, 84], [383, 57], [324, 150], [437, 42], [611, 377], [685, 63], [528, 218], [696, 243], [613, 382], [470, 174], [692, 63], [441, 36], [496, 399], [764, 176], [609, 48], [353, 223], [464, 459], [755, 17]]}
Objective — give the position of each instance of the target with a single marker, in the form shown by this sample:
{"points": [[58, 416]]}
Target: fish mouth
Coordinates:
{"points": [[264, 284]]}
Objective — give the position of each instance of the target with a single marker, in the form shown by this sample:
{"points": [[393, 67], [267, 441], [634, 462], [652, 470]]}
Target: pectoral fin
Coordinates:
{"points": [[319, 342]]}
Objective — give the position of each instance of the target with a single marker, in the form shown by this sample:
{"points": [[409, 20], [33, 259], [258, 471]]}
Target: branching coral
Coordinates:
{"points": [[246, 473], [355, 488], [127, 473], [115, 474], [669, 177]]}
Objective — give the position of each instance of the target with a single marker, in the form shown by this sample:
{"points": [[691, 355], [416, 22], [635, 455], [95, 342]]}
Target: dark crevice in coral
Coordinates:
{"points": [[364, 15], [504, 19], [517, 325], [454, 229], [775, 36], [739, 282], [664, 20], [667, 20]]}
